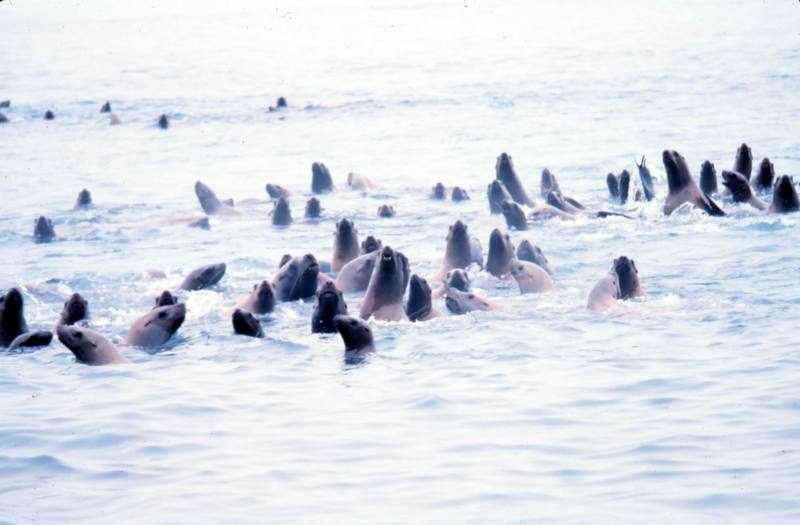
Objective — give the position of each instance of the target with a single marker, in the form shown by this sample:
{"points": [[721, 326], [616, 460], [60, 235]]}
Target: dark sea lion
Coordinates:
{"points": [[355, 333], [284, 259], [209, 202], [12, 316], [313, 208], [387, 286], [682, 187], [439, 192], [165, 299], [501, 251], [156, 326], [627, 277], [549, 183], [297, 279], [459, 251], [89, 347], [3, 118], [75, 309], [784, 196], [744, 161], [261, 299], [279, 104], [281, 213], [420, 303], [515, 217], [31, 340], [49, 115], [370, 244], [43, 230], [604, 293], [201, 224], [458, 279], [504, 172], [530, 277], [646, 179], [766, 176], [106, 108], [355, 275], [386, 211], [345, 244], [274, 191], [708, 178], [613, 185], [458, 194], [527, 251], [330, 303], [740, 189], [245, 323], [460, 303], [556, 200], [163, 121], [204, 277], [497, 193], [624, 186], [321, 180], [5, 103], [83, 201]]}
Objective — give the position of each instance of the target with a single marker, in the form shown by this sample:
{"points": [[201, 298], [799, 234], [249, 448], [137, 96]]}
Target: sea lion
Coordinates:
{"points": [[345, 244], [708, 178], [43, 230], [31, 340], [3, 118], [165, 299], [261, 299], [387, 286], [527, 251], [106, 108], [321, 180], [439, 192], [766, 176], [458, 279], [501, 252], [458, 194], [386, 211], [89, 347], [504, 172], [744, 161], [245, 323], [784, 196], [75, 309], [297, 279], [627, 278], [646, 179], [114, 120], [355, 275], [156, 326], [84, 200], [459, 250], [281, 213], [682, 187], [562, 205], [548, 183], [496, 193], [355, 333], [461, 303], [49, 115], [330, 303], [604, 293], [515, 217], [12, 316], [279, 104], [274, 191], [202, 224], [370, 244], [624, 186], [210, 203], [420, 303], [613, 185], [5, 103], [204, 277], [163, 121], [740, 189], [530, 277], [359, 182], [313, 208]]}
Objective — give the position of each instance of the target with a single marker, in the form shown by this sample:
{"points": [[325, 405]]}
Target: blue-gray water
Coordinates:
{"points": [[681, 407]]}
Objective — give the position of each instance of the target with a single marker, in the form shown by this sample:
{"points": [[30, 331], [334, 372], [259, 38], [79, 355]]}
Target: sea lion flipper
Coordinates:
{"points": [[711, 207]]}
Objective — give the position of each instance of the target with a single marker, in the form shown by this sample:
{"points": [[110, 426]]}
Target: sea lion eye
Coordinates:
{"points": [[162, 315], [78, 335]]}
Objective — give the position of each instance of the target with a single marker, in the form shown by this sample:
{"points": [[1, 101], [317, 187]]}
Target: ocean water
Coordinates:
{"points": [[680, 407]]}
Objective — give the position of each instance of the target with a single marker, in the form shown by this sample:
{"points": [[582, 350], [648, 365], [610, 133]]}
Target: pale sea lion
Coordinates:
{"points": [[31, 340], [12, 316], [321, 180], [261, 299], [514, 215], [460, 303], [75, 309], [163, 121], [387, 286], [420, 301], [84, 200], [784, 196], [527, 251], [604, 293], [530, 277], [156, 326], [708, 178], [43, 230], [458, 194], [355, 275], [765, 177], [89, 347], [274, 191], [501, 252], [359, 182], [281, 213], [355, 333], [504, 172], [739, 187], [682, 187], [313, 208], [297, 279], [386, 211], [210, 203], [646, 179], [370, 244], [497, 193], [106, 108], [245, 323], [330, 303], [439, 192], [345, 244], [165, 299], [744, 161], [204, 277]]}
